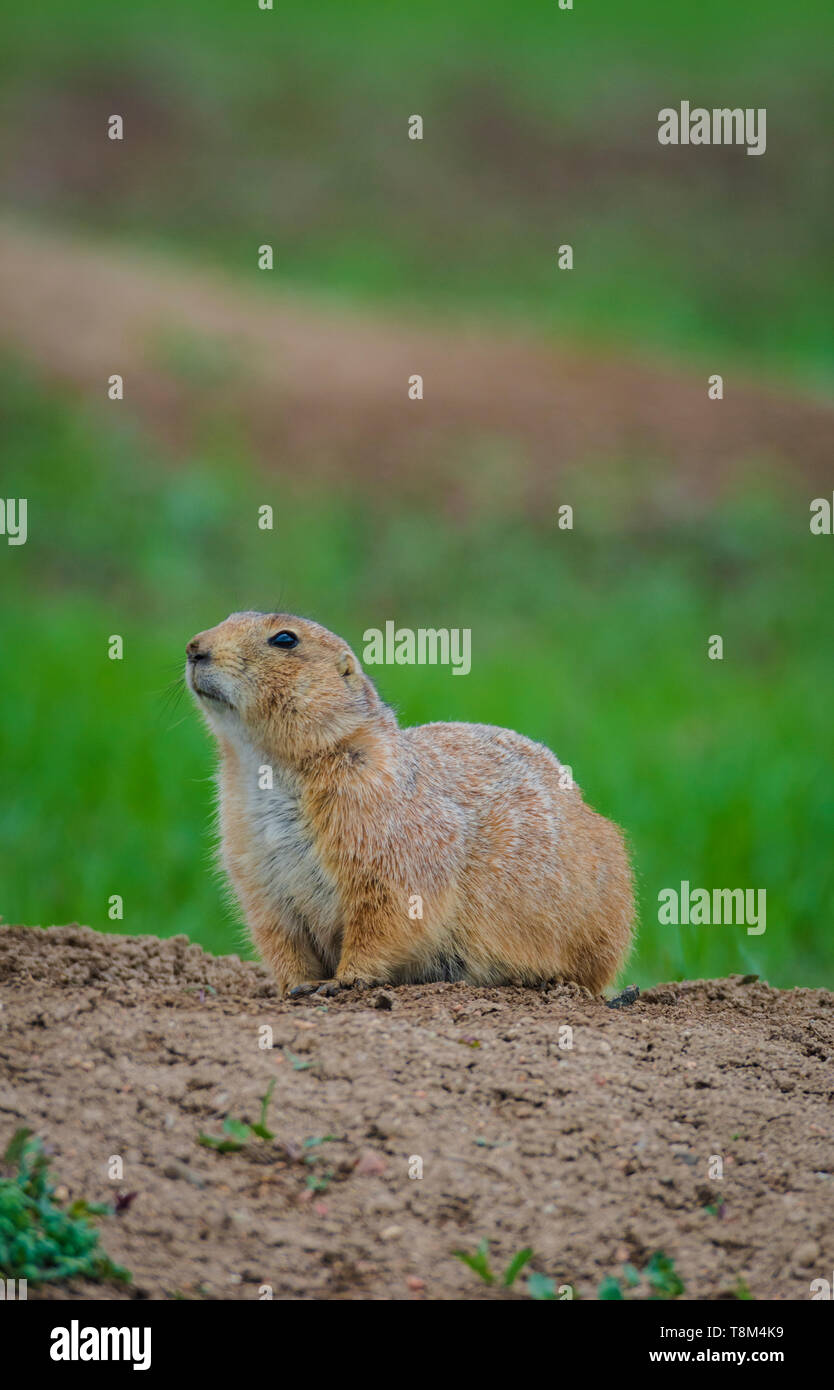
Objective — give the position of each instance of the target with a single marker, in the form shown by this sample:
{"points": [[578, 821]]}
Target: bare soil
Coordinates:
{"points": [[592, 1154]]}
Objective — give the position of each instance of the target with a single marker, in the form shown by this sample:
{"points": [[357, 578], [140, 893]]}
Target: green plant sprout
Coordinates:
{"points": [[40, 1240]]}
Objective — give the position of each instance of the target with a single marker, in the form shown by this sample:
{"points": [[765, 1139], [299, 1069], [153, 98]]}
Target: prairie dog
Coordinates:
{"points": [[362, 852]]}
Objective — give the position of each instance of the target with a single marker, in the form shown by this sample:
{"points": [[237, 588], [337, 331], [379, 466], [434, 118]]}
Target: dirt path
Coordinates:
{"points": [[593, 1155], [324, 393]]}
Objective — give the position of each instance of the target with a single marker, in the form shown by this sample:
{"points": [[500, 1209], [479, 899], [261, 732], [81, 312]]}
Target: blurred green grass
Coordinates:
{"points": [[593, 641], [246, 126]]}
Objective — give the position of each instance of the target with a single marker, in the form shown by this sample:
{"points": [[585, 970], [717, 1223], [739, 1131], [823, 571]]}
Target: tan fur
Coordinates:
{"points": [[520, 881]]}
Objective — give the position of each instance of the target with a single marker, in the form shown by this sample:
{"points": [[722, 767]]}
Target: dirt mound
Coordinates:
{"points": [[593, 1154], [323, 391]]}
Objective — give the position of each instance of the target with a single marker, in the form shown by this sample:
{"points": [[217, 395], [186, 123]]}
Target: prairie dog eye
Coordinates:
{"points": [[283, 639]]}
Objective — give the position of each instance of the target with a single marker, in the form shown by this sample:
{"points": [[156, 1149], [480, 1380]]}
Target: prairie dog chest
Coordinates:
{"points": [[273, 851]]}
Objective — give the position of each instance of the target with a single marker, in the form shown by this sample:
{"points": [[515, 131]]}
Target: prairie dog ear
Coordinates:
{"points": [[348, 665]]}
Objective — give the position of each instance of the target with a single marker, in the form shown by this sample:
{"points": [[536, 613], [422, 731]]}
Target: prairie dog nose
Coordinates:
{"points": [[195, 652]]}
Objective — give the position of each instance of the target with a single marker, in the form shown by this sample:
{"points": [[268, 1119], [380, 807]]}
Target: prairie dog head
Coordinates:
{"points": [[280, 683]]}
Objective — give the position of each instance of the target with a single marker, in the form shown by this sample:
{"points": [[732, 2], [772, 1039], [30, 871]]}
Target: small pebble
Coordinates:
{"points": [[370, 1164], [806, 1254]]}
